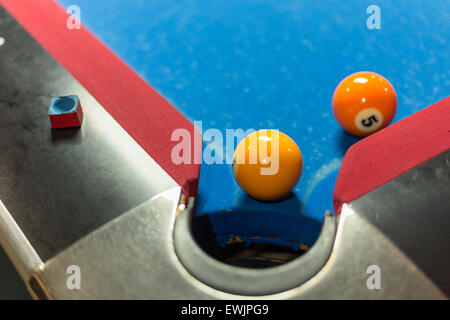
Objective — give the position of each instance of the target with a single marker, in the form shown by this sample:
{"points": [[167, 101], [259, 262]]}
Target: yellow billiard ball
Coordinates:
{"points": [[267, 164], [364, 102]]}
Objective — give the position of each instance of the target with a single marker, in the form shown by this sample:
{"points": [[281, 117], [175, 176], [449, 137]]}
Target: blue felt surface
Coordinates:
{"points": [[274, 64]]}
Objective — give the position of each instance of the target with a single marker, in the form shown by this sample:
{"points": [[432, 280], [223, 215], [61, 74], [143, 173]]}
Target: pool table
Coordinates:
{"points": [[151, 67]]}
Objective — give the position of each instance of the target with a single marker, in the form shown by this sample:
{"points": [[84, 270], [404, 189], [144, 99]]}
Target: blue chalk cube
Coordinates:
{"points": [[65, 112]]}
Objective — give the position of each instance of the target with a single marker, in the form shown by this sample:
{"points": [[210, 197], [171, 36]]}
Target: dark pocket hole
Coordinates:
{"points": [[258, 248]]}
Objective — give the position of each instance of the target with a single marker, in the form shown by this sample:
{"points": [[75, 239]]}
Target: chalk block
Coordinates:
{"points": [[65, 112]]}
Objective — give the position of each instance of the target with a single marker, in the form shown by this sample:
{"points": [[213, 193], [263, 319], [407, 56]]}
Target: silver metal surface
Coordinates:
{"points": [[413, 211], [250, 281], [359, 245], [143, 264], [59, 185], [131, 257], [18, 247]]}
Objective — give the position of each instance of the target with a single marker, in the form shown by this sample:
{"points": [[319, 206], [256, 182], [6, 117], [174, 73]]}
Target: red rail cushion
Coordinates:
{"points": [[392, 151]]}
